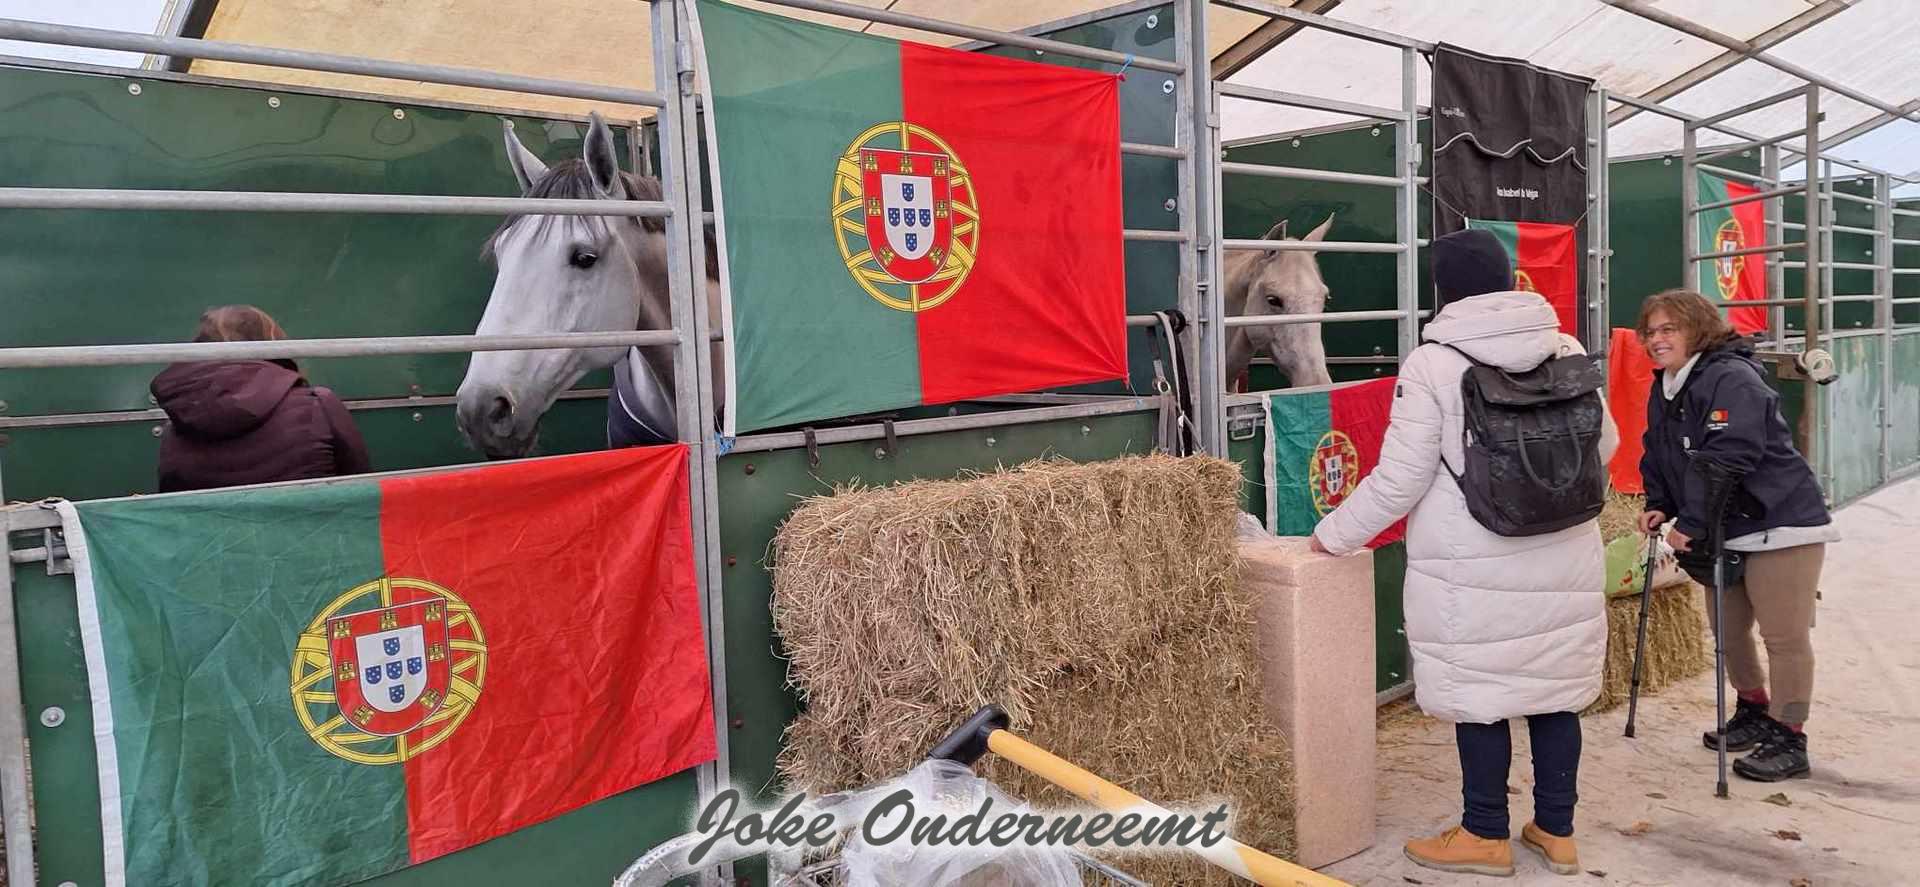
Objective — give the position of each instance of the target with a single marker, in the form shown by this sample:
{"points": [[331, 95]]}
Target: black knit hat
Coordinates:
{"points": [[1469, 262]]}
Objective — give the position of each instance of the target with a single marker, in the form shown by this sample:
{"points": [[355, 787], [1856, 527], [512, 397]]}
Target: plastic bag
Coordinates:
{"points": [[945, 788]]}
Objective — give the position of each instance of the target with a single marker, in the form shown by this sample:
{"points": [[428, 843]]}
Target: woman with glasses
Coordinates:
{"points": [[1715, 433]]}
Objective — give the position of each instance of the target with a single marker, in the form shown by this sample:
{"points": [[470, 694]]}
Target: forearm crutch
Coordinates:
{"points": [[987, 731], [1640, 640]]}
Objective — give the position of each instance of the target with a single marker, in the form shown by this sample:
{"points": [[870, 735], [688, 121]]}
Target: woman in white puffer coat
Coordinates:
{"points": [[1499, 627]]}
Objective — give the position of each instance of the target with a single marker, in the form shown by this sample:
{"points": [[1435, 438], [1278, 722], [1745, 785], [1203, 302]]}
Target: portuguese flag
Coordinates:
{"points": [[904, 224], [1320, 444], [1739, 278], [1546, 260], [324, 683]]}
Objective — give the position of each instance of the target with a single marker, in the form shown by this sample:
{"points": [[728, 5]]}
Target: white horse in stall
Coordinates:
{"points": [[1268, 281], [577, 274]]}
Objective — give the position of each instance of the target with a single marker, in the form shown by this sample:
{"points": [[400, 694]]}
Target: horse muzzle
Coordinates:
{"points": [[493, 426]]}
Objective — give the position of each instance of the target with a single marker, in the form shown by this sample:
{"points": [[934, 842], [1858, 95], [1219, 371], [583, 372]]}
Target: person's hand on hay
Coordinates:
{"points": [[1651, 520], [1679, 541]]}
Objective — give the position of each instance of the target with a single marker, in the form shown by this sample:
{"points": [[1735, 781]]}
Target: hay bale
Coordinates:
{"points": [[1095, 602], [1677, 645], [1619, 514]]}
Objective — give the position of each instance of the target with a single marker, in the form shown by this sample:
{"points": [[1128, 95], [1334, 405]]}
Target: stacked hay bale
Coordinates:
{"points": [[1095, 602], [1677, 646]]}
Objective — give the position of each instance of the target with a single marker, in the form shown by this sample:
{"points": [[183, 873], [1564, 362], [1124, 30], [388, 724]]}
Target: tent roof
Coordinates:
{"points": [[1866, 45]]}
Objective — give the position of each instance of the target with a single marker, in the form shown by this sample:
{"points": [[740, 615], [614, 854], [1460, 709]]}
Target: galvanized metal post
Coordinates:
{"points": [[1595, 218], [1776, 233], [1689, 200], [15, 805], [1883, 315], [1406, 221], [1810, 426], [674, 66], [1196, 126]]}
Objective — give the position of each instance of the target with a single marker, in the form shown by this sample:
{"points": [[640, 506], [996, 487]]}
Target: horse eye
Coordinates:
{"points": [[583, 259], [1276, 302]]}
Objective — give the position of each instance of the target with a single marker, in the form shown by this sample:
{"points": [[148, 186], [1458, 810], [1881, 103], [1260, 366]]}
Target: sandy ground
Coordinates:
{"points": [[1647, 811]]}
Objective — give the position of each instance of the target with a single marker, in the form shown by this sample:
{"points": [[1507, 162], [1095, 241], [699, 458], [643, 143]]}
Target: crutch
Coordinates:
{"points": [[987, 731], [1640, 640], [1720, 648]]}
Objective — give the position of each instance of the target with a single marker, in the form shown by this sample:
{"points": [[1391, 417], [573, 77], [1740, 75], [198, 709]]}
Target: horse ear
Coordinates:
{"points": [[1320, 233], [526, 167], [1277, 232], [603, 165]]}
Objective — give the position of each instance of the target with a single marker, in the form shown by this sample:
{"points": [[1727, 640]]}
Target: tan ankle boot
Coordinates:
{"points": [[1560, 854], [1459, 850]]}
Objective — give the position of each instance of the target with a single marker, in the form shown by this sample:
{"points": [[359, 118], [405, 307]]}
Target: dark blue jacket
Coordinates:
{"points": [[1727, 413]]}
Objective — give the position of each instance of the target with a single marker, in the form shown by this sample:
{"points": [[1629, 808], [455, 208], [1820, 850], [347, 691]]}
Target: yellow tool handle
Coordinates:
{"points": [[1235, 857]]}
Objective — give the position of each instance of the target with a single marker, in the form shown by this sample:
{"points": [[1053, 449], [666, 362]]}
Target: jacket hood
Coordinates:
{"points": [[221, 399], [1514, 331]]}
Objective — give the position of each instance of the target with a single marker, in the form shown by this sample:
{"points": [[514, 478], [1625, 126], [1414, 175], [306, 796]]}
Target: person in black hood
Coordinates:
{"points": [[235, 422], [1715, 434]]}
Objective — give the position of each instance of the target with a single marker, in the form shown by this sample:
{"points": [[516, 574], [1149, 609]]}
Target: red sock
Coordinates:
{"points": [[1797, 728], [1756, 696]]}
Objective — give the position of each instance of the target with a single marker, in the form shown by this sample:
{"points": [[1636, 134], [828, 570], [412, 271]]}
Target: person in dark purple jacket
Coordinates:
{"points": [[235, 422]]}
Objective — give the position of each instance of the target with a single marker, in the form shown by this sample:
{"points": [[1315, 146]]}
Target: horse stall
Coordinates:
{"points": [[138, 198]]}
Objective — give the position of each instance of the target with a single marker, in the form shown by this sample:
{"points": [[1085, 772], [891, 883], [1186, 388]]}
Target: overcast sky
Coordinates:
{"points": [[117, 15]]}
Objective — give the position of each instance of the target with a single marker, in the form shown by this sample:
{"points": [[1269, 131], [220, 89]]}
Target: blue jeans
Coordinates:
{"points": [[1486, 750]]}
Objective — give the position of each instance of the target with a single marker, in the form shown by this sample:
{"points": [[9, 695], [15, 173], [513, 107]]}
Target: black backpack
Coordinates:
{"points": [[1532, 442]]}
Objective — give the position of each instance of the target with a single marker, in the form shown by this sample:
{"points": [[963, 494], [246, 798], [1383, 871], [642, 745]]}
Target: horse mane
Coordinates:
{"points": [[570, 180]]}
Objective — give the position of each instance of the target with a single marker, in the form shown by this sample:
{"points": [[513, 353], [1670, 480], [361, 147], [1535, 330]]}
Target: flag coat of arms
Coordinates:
{"points": [[1733, 278], [903, 224], [323, 683], [1546, 260], [1320, 444]]}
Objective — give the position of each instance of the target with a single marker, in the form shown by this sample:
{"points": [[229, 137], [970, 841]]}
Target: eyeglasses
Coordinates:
{"points": [[1665, 329]]}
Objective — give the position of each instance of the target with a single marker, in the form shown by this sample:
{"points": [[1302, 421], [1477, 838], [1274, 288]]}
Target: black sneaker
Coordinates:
{"points": [[1750, 724], [1781, 755]]}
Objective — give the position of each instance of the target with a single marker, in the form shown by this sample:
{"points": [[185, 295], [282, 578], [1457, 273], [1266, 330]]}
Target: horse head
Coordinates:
{"points": [[562, 274], [1274, 281]]}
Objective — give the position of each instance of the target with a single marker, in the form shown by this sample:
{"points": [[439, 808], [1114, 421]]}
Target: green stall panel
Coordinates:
{"points": [[1903, 413]]}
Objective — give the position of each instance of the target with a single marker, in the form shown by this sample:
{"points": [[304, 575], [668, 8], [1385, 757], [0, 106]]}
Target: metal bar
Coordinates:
{"points": [[1330, 246], [120, 417], [1906, 270], [1853, 198], [1908, 301], [1726, 173], [295, 202], [120, 355], [1202, 111], [1313, 175], [16, 805], [188, 48], [1757, 303], [1273, 96], [1718, 151], [1748, 198], [1690, 206], [1321, 317], [1776, 219], [1851, 229], [1844, 266], [1406, 221], [1755, 105], [1706, 70], [1153, 236], [1751, 250], [984, 35], [1808, 437], [1901, 241], [1685, 26], [1139, 149], [1909, 213], [761, 443], [1349, 29]]}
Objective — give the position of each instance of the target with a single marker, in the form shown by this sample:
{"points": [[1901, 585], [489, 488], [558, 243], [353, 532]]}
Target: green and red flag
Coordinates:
{"points": [[1546, 260], [324, 683], [1320, 444], [905, 224], [1738, 278]]}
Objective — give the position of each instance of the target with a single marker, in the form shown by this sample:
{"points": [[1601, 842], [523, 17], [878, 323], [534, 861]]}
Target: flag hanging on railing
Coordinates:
{"points": [[325, 683], [905, 224], [1320, 444], [1546, 260], [1736, 278]]}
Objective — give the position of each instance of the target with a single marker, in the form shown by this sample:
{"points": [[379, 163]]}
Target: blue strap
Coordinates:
{"points": [[1122, 73]]}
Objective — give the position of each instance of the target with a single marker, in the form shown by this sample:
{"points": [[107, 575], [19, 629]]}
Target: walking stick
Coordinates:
{"points": [[1640, 641]]}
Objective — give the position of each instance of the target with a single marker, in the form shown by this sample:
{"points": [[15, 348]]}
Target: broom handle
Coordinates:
{"points": [[1640, 640], [1231, 855]]}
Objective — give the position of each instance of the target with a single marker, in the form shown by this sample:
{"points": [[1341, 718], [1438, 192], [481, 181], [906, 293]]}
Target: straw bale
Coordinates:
{"points": [[1677, 645], [1096, 603]]}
